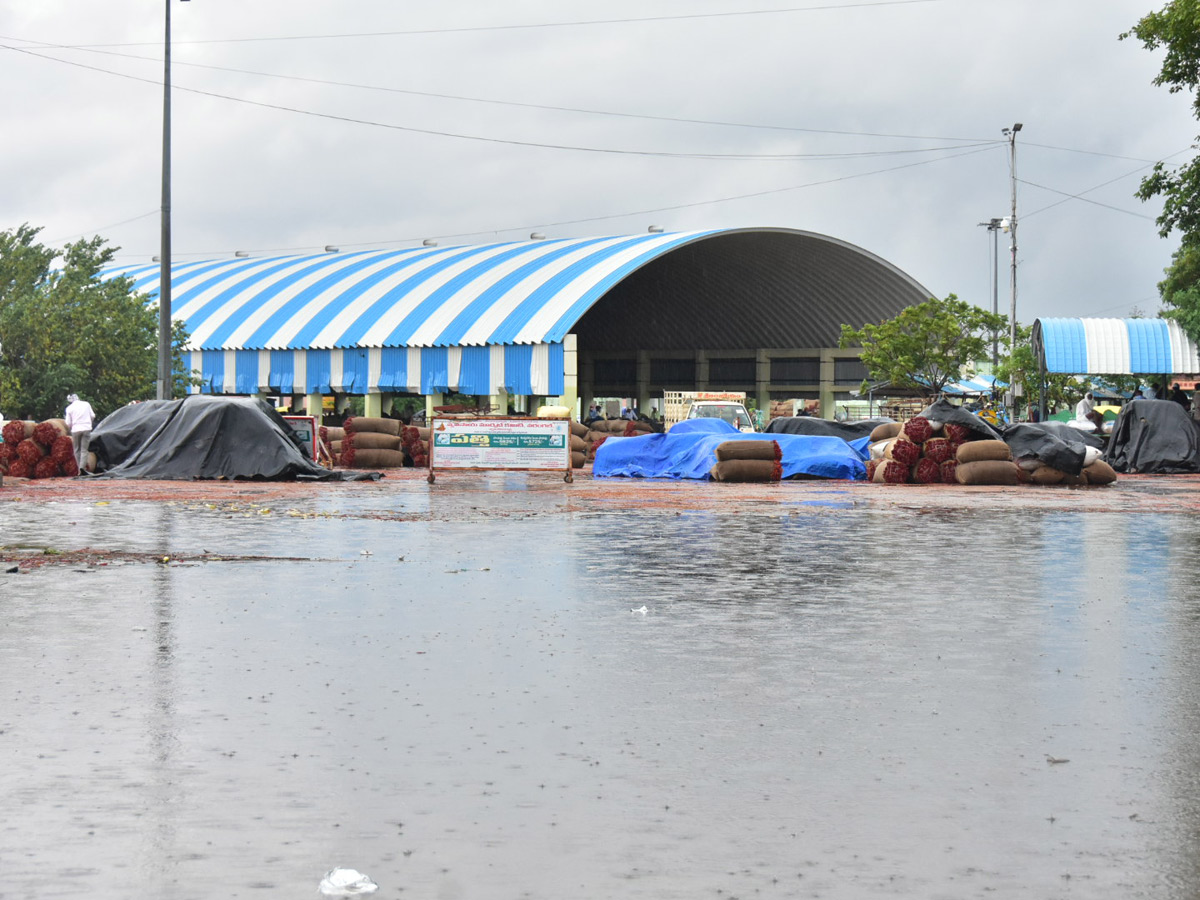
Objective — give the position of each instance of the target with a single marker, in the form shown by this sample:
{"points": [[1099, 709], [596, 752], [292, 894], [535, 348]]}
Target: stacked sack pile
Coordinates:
{"points": [[414, 440], [742, 461], [371, 443], [916, 452], [583, 447], [37, 450], [920, 451], [1031, 470], [598, 431], [332, 437]]}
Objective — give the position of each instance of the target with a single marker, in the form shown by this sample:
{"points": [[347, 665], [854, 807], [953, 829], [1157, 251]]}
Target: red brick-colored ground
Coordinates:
{"points": [[1161, 493]]}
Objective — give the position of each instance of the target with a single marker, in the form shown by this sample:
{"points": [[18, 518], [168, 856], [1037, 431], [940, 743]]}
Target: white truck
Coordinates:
{"points": [[727, 405]]}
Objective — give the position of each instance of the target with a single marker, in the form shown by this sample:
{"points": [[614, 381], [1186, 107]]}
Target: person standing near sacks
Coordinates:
{"points": [[79, 417]]}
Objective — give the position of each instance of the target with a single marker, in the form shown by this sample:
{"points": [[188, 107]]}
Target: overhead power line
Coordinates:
{"points": [[510, 103], [466, 29], [665, 154]]}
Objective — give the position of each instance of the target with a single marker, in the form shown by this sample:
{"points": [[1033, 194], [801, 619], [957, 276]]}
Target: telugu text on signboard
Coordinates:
{"points": [[500, 443]]}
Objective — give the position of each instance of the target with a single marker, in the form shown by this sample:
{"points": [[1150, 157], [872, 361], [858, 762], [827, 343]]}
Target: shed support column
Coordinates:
{"points": [[587, 381], [701, 370], [431, 400], [826, 391], [643, 380], [570, 396], [314, 405], [499, 403], [373, 405], [762, 378]]}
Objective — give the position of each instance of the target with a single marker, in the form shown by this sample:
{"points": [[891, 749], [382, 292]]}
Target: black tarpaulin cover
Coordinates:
{"points": [[1154, 437], [1069, 433], [946, 412], [847, 431], [1030, 439], [204, 436]]}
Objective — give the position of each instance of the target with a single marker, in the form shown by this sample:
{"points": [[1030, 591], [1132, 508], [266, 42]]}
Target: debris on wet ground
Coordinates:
{"points": [[346, 883]]}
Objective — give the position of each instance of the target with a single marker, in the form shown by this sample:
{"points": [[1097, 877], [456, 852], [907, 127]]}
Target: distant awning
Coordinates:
{"points": [[1114, 347]]}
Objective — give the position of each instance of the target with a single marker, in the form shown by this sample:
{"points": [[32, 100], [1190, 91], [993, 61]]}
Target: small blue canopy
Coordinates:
{"points": [[1114, 347]]}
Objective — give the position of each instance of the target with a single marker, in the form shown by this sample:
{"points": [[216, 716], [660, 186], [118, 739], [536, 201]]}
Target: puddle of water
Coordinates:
{"points": [[833, 702]]}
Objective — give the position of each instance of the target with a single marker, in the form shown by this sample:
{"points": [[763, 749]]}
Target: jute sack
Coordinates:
{"points": [[891, 471], [594, 437], [578, 458], [978, 451], [578, 444], [903, 451], [379, 425], [1047, 475], [746, 470], [1100, 472], [371, 440], [378, 459], [748, 450], [886, 431], [332, 433], [578, 429], [986, 471]]}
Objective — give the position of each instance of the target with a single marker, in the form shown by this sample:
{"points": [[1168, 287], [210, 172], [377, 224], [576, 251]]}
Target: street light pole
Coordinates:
{"points": [[165, 386], [994, 226], [1011, 133]]}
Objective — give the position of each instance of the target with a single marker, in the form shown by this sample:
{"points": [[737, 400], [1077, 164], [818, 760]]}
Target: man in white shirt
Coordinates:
{"points": [[79, 417]]}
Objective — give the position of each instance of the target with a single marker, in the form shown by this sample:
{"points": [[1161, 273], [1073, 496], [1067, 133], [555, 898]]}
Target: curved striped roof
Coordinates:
{"points": [[526, 292], [1114, 347]]}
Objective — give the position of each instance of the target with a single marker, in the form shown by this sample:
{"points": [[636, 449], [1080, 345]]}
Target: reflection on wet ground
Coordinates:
{"points": [[824, 697]]}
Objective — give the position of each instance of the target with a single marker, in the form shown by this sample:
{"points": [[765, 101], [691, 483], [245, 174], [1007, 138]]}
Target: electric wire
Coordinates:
{"points": [[535, 25], [661, 154], [508, 103]]}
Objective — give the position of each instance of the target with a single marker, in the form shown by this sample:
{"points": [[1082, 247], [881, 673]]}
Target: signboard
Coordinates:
{"points": [[500, 442], [306, 429]]}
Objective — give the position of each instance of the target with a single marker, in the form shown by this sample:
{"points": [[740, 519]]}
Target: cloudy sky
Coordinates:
{"points": [[372, 124]]}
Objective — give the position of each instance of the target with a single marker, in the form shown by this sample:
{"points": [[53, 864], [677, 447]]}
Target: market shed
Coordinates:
{"points": [[628, 315], [1114, 347]]}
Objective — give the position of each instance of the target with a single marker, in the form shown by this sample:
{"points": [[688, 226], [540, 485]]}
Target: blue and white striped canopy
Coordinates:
{"points": [[1114, 347], [527, 292]]}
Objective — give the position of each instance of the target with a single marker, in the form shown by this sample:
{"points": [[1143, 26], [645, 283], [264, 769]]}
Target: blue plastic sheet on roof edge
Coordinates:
{"points": [[692, 454], [1115, 347]]}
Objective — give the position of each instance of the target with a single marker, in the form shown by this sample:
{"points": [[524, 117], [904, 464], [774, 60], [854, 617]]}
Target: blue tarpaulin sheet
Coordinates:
{"points": [[690, 454]]}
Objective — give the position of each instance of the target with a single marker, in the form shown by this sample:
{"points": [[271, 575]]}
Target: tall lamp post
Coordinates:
{"points": [[995, 226], [165, 386], [1011, 134]]}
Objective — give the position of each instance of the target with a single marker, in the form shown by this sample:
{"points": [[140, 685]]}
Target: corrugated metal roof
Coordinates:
{"points": [[1115, 347], [752, 287]]}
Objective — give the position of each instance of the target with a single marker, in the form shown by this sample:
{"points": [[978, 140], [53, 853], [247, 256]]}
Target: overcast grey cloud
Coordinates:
{"points": [[377, 124]]}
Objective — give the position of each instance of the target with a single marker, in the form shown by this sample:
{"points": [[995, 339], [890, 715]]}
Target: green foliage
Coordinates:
{"points": [[927, 345], [1180, 290], [62, 329], [1176, 28]]}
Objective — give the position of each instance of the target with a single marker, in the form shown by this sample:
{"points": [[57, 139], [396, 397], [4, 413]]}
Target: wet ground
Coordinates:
{"points": [[501, 686]]}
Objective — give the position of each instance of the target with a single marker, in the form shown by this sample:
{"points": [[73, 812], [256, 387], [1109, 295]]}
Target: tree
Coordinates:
{"points": [[64, 329], [927, 345], [1176, 28]]}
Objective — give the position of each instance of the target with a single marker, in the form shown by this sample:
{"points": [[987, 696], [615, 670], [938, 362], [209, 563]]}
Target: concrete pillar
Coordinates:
{"points": [[643, 380], [313, 406], [570, 395], [431, 400], [373, 405], [826, 390], [762, 379], [499, 403], [701, 370]]}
